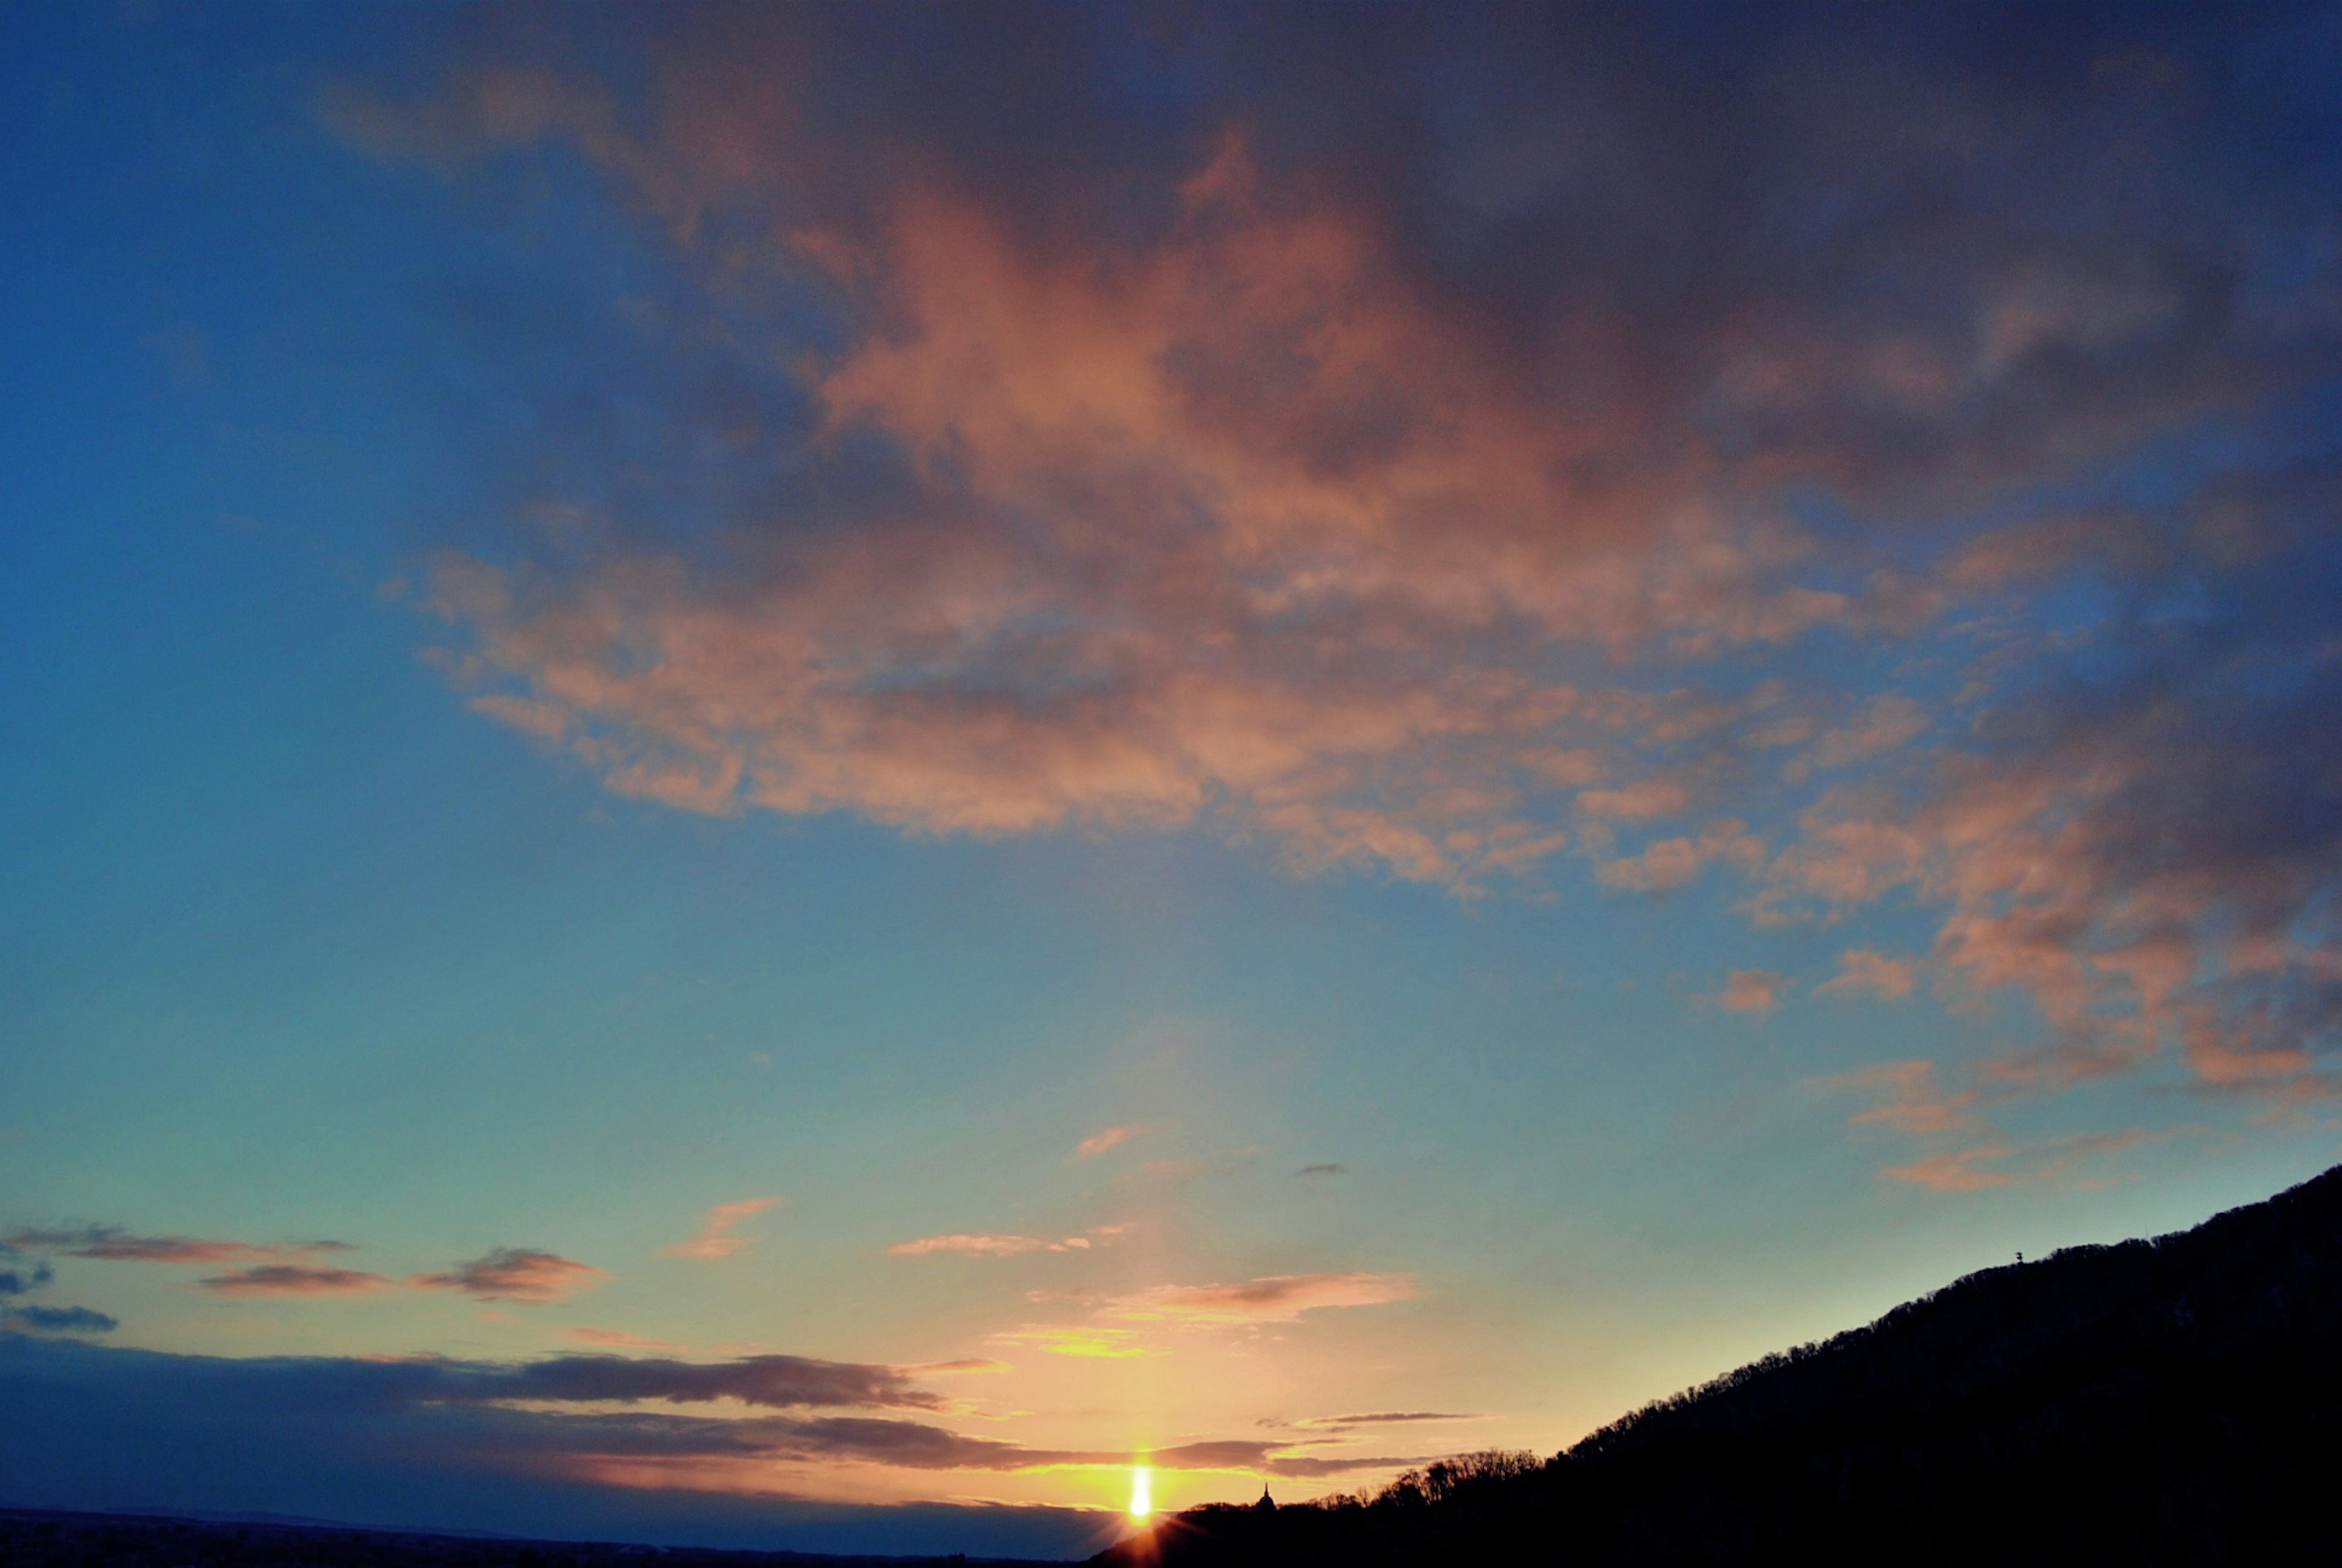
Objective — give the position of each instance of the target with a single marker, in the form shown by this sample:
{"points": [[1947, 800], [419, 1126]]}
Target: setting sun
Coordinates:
{"points": [[1142, 1492]]}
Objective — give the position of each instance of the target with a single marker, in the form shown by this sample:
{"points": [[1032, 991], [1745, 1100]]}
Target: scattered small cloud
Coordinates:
{"points": [[1750, 990], [1864, 971], [112, 1243], [716, 1240], [1382, 1418], [1908, 1098], [1965, 1170], [1328, 1168], [1275, 1298], [515, 1274], [1097, 1144], [991, 1244], [293, 1280], [1089, 1343], [619, 1339]]}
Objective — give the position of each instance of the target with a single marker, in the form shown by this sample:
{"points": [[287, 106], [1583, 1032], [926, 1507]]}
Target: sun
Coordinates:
{"points": [[1142, 1492]]}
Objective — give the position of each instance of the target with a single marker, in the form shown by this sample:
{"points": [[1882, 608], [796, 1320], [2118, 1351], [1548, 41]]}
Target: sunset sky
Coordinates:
{"points": [[768, 773]]}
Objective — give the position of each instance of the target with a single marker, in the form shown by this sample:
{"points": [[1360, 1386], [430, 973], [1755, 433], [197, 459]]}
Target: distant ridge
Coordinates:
{"points": [[2172, 1400]]}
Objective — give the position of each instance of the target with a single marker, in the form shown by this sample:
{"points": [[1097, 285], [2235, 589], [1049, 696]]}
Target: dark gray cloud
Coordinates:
{"points": [[515, 1274], [775, 1381], [380, 1444], [430, 1443], [114, 1244], [57, 1320]]}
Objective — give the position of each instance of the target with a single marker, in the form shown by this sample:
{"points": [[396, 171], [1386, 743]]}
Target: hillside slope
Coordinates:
{"points": [[2177, 1400]]}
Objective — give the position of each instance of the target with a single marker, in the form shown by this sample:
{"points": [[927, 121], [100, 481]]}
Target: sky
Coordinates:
{"points": [[799, 775]]}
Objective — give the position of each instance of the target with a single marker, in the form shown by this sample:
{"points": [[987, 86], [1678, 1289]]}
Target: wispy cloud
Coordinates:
{"points": [[1865, 971], [1383, 1418], [619, 1339], [1097, 1144], [1750, 990], [293, 1280], [1325, 1168], [114, 1245], [716, 1240], [1274, 1298], [1085, 1342], [991, 1244], [515, 1274]]}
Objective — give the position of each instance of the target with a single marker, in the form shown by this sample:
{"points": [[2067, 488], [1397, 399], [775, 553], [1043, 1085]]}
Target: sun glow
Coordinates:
{"points": [[1142, 1492]]}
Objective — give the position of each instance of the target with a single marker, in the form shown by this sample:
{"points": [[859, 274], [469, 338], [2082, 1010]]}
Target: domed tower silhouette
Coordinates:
{"points": [[1267, 1505]]}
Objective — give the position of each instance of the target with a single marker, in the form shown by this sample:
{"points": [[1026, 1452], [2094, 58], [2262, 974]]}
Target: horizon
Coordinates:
{"points": [[871, 779]]}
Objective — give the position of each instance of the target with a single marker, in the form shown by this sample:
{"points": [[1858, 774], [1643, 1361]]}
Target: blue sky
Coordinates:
{"points": [[1587, 693]]}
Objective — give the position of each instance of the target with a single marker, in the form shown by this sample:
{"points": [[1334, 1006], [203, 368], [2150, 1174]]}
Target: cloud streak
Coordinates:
{"points": [[715, 1241], [515, 1274]]}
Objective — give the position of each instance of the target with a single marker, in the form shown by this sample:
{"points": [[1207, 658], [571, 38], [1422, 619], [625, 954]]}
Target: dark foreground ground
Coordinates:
{"points": [[30, 1538]]}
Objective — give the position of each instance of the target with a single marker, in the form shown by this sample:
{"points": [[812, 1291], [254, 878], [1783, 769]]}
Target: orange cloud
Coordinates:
{"points": [[1276, 1298], [515, 1274], [1086, 1343], [716, 1240]]}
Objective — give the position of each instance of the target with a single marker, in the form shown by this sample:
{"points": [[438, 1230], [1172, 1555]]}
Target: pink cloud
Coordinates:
{"points": [[293, 1280], [515, 1274], [1750, 990], [1864, 971], [716, 1240], [1908, 1099]]}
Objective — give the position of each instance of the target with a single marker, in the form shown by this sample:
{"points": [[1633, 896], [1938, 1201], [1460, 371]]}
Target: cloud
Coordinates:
{"points": [[1426, 468], [1909, 1099], [1325, 1168], [2003, 1163], [1866, 970], [1750, 990], [716, 1240], [293, 1280], [1097, 1144], [981, 1245], [1082, 1343], [1274, 1298], [1674, 862], [1381, 1418], [57, 1320], [990, 1245], [1887, 722], [113, 1244], [515, 1274], [617, 1339]]}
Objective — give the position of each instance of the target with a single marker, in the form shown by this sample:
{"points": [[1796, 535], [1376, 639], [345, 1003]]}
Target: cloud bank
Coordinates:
{"points": [[1842, 464]]}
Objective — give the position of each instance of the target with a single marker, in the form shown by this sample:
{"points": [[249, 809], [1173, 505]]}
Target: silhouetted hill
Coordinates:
{"points": [[2173, 1400]]}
